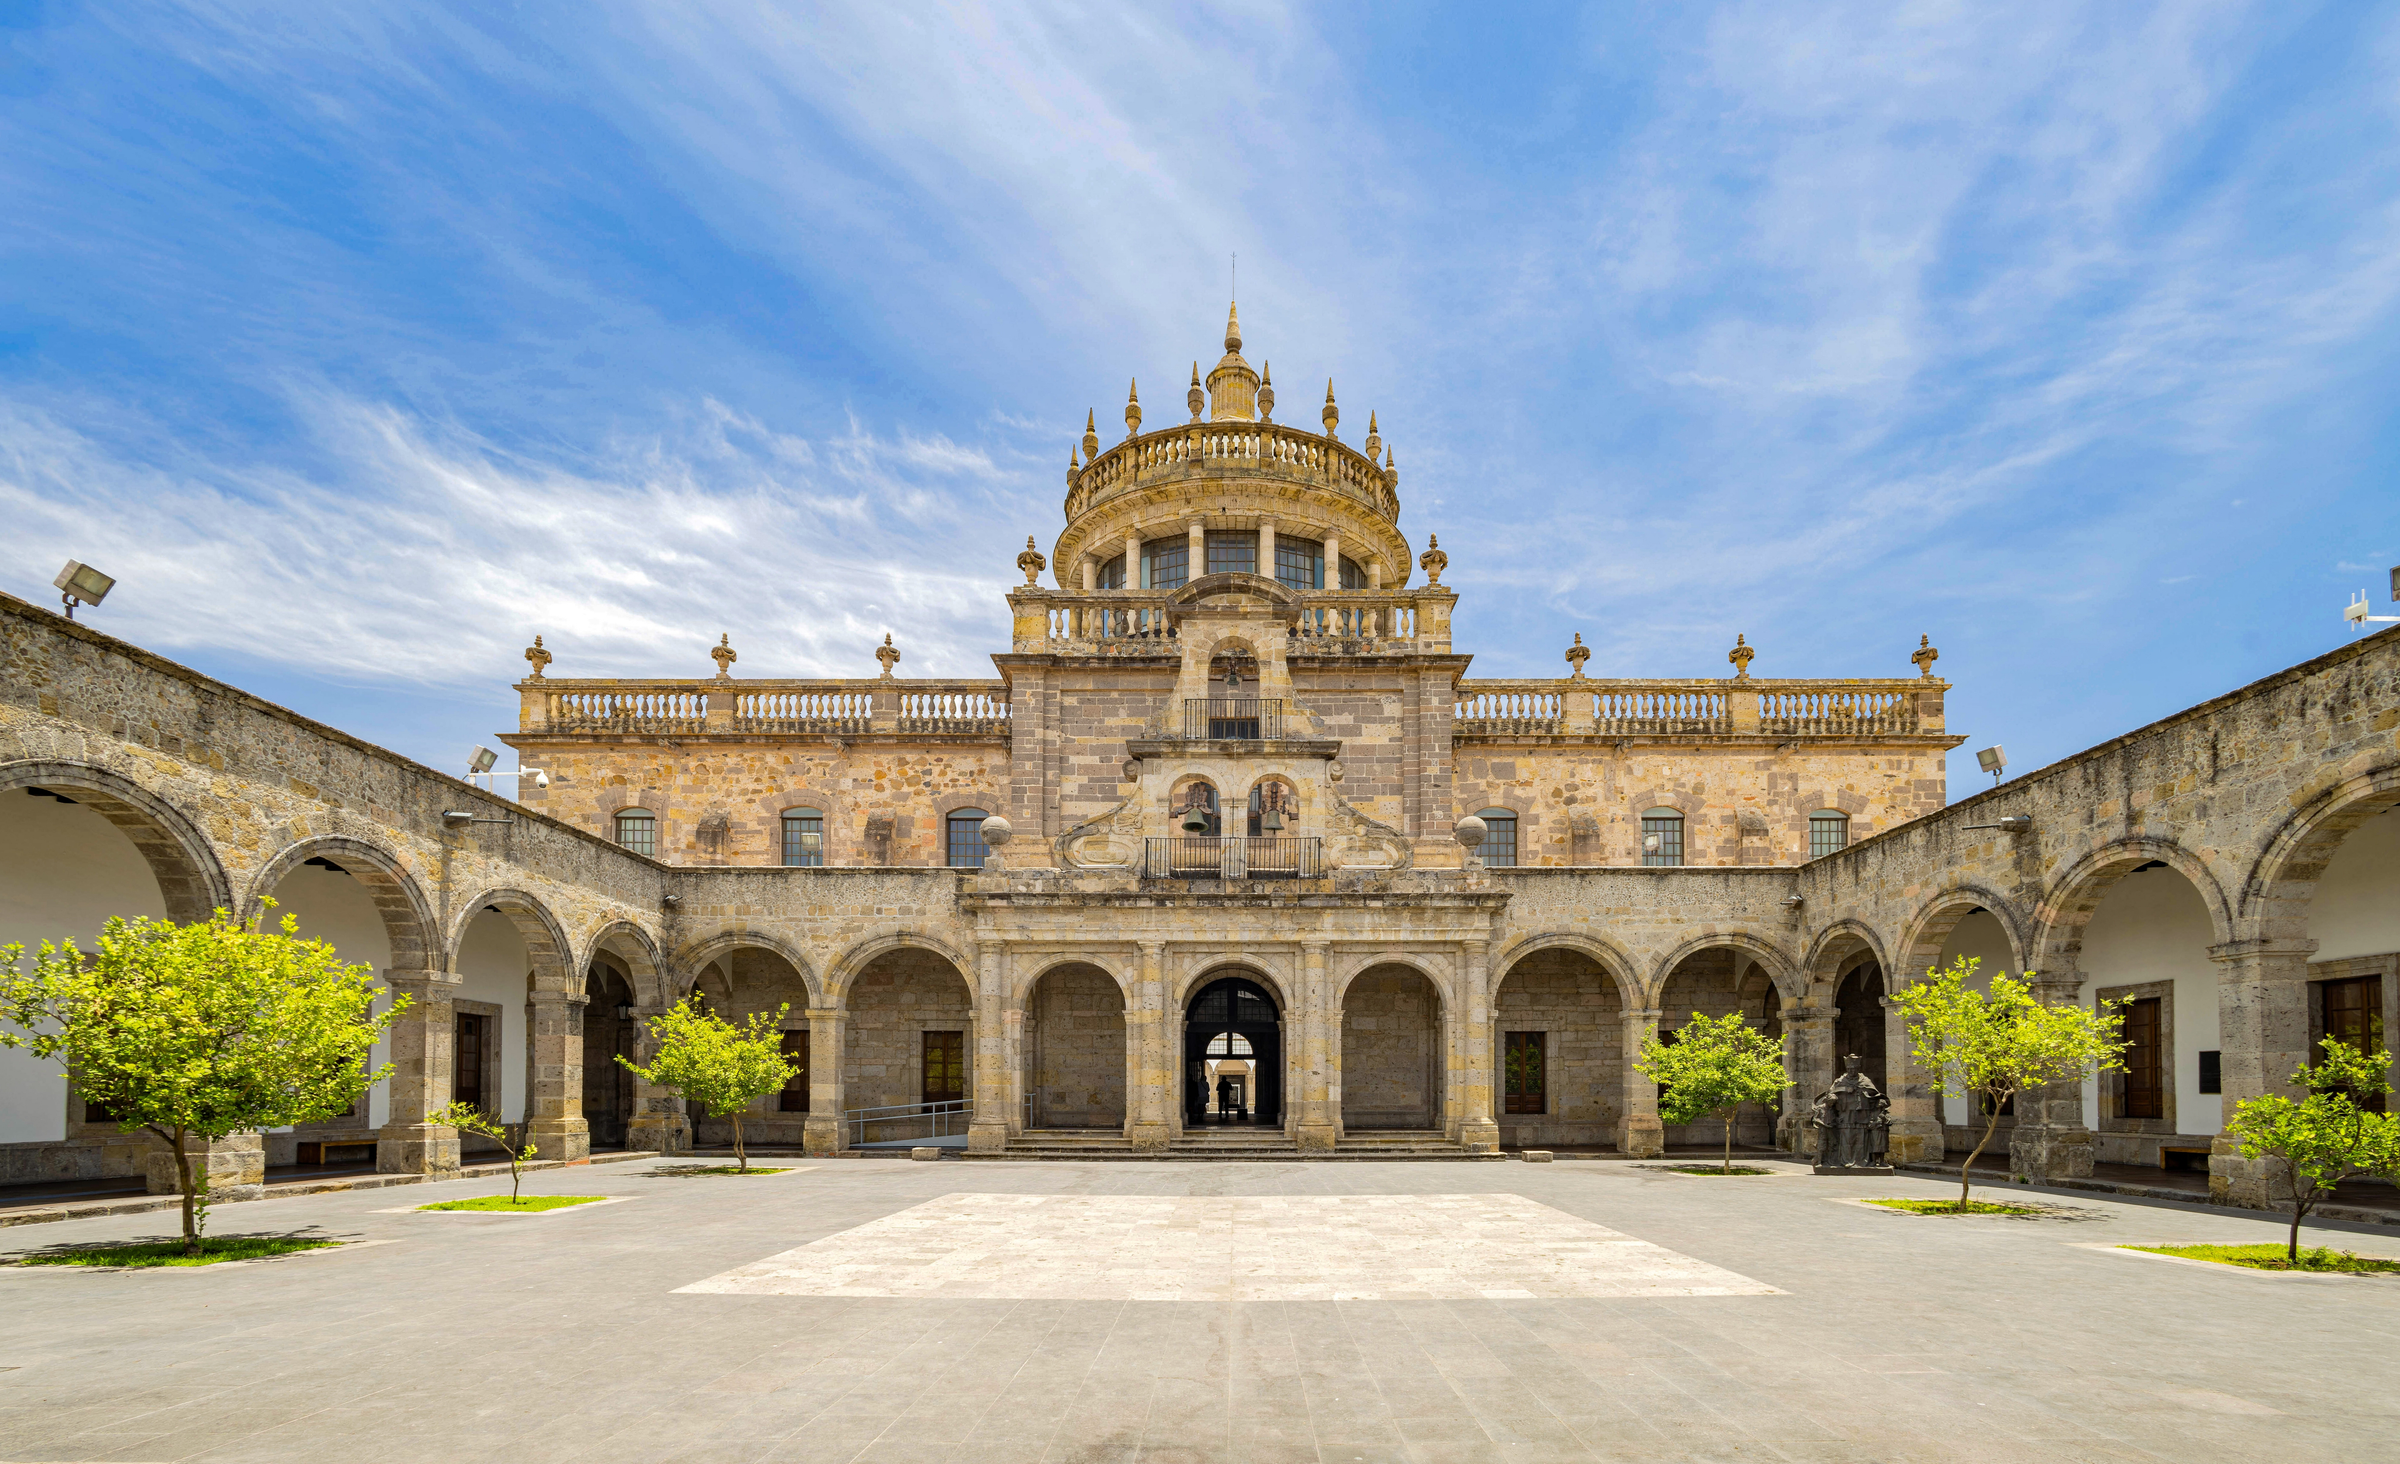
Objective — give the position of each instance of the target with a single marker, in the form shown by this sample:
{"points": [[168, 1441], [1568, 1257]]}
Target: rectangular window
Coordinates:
{"points": [[945, 1067], [1499, 840], [466, 1067], [795, 1090], [2354, 1018], [1827, 836], [2212, 1072], [2144, 1095], [804, 840], [966, 841], [1232, 551], [1166, 563], [1299, 563], [1527, 1079], [1662, 841], [638, 832]]}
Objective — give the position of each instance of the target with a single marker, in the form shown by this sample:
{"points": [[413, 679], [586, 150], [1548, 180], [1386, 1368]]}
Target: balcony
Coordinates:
{"points": [[1232, 719], [1191, 857]]}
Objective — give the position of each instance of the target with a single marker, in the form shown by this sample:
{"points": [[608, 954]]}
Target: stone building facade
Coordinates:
{"points": [[1231, 781]]}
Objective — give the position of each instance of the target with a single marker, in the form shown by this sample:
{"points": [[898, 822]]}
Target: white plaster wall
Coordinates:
{"points": [[64, 870], [2356, 911], [337, 910], [492, 967], [2153, 926], [1979, 937]]}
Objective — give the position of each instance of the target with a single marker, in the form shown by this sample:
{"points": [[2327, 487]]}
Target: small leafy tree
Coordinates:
{"points": [[722, 1067], [468, 1119], [1711, 1068], [2326, 1137], [200, 1031], [1996, 1045]]}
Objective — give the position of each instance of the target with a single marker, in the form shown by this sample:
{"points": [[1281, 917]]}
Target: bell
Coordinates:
{"points": [[1195, 820], [1271, 820]]}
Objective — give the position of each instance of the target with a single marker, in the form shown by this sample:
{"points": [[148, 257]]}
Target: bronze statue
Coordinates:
{"points": [[1853, 1122]]}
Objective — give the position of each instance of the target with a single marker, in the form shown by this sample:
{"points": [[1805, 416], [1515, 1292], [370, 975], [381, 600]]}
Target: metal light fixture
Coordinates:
{"points": [[2355, 612], [2015, 823], [457, 817], [481, 761], [624, 1011], [1993, 760], [80, 584], [1793, 902]]}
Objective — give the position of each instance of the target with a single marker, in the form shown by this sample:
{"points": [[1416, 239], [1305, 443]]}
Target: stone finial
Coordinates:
{"points": [[1032, 562], [1578, 653], [1196, 399], [1074, 468], [1133, 407], [538, 657], [888, 654], [1233, 329], [1266, 391], [1470, 833], [1924, 658], [1332, 414], [1391, 475], [1740, 656], [724, 655], [1374, 445], [1091, 435], [996, 831], [1433, 561]]}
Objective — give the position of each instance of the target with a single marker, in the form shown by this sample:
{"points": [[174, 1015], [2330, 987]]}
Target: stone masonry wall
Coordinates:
{"points": [[898, 997], [1391, 1051], [1075, 1049], [1566, 995]]}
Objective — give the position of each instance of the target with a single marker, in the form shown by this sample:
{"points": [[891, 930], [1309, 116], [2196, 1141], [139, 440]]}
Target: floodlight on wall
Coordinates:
{"points": [[481, 761], [1993, 760], [2355, 612], [80, 584]]}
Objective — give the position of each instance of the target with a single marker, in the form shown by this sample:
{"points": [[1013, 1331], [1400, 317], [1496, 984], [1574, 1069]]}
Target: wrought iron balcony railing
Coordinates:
{"points": [[1238, 719], [1200, 857]]}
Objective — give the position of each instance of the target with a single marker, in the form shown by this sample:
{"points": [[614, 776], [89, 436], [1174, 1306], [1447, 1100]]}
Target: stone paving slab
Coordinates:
{"points": [[1873, 1336]]}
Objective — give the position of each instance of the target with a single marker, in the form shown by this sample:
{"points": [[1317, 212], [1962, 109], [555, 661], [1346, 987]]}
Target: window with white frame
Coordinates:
{"points": [[637, 830], [1662, 836], [1500, 836], [1828, 832], [803, 838]]}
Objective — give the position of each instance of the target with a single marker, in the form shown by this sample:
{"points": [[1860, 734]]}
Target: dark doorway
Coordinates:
{"points": [[608, 1033], [1231, 1007], [1858, 1028]]}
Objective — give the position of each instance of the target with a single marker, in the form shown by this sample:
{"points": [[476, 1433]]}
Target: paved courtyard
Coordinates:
{"points": [[875, 1310]]}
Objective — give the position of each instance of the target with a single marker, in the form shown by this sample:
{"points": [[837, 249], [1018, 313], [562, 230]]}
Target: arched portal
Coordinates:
{"points": [[737, 983], [908, 1065], [329, 902], [1074, 1046], [1392, 1055], [1559, 1039], [1858, 1023], [608, 1033], [1231, 1006], [1715, 981]]}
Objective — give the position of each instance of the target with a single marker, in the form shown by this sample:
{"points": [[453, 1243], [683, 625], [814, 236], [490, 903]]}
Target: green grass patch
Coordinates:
{"points": [[1737, 1170], [170, 1252], [1950, 1207], [2277, 1258], [681, 1170], [525, 1204]]}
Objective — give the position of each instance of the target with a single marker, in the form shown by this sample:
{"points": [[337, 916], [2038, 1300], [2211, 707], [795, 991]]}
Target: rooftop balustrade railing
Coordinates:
{"points": [[1267, 449], [707, 707], [1615, 708], [1210, 857]]}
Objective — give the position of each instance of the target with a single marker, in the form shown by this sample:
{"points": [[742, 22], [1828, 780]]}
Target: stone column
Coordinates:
{"points": [[2051, 1140], [987, 1126], [1916, 1136], [1196, 550], [2262, 1034], [1266, 547], [236, 1166], [1641, 1134], [1318, 1032], [1091, 574], [1808, 1058], [823, 1134], [421, 1039], [660, 1122], [1133, 559], [1477, 1133], [1158, 1069], [1333, 560], [554, 1118]]}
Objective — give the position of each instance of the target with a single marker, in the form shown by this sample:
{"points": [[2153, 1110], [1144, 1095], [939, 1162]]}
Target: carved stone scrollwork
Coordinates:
{"points": [[1111, 841], [1357, 841]]}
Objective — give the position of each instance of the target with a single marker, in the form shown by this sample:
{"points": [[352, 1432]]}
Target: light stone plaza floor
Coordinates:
{"points": [[874, 1310]]}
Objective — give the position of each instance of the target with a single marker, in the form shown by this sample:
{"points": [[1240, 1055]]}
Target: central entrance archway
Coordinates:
{"points": [[1224, 1017]]}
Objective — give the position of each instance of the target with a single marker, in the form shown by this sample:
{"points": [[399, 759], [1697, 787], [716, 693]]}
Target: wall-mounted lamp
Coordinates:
{"points": [[80, 584], [672, 901], [2015, 823], [1993, 760], [624, 1011], [1793, 902]]}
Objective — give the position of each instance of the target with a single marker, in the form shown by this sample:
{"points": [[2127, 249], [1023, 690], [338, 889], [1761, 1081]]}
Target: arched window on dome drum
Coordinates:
{"points": [[1166, 563], [1500, 836], [1299, 563], [637, 830], [1110, 575], [1662, 836], [965, 827], [1353, 578], [803, 838], [1828, 832]]}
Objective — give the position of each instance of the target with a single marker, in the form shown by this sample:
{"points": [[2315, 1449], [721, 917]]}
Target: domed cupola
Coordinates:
{"points": [[1233, 386]]}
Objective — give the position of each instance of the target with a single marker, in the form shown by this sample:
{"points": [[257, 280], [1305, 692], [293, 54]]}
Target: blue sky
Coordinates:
{"points": [[363, 342]]}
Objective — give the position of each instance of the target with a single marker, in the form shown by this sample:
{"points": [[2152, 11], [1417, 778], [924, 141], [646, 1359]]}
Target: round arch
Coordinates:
{"points": [[191, 881], [2280, 882], [408, 921], [1440, 980], [1930, 929], [1267, 981], [692, 959], [634, 946], [1833, 948], [1610, 957], [546, 944], [2062, 914], [834, 986], [1779, 965], [1022, 983]]}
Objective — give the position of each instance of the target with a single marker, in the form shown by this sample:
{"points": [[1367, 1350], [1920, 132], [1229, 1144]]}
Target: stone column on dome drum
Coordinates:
{"points": [[554, 1118], [823, 1133], [1640, 1135], [1195, 550], [1266, 548], [420, 1039]]}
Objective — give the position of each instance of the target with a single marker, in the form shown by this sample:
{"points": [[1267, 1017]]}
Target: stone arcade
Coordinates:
{"points": [[1211, 823]]}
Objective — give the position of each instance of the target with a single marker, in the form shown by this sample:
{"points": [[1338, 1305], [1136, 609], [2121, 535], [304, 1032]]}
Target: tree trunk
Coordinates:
{"points": [[741, 1157], [183, 1182], [2291, 1248], [1967, 1169], [1729, 1117]]}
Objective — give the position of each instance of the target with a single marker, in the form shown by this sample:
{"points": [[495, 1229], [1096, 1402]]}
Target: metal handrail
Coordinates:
{"points": [[1233, 718], [938, 1114], [1208, 857]]}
